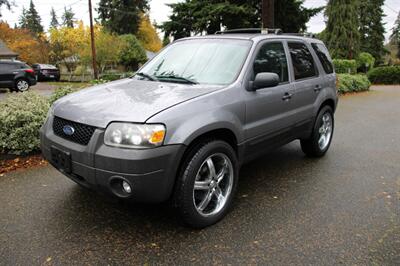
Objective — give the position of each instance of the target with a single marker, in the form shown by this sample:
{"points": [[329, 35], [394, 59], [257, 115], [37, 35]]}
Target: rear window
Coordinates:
{"points": [[45, 66], [323, 56], [302, 60]]}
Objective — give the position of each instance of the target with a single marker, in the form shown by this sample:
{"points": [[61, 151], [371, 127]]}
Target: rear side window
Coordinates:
{"points": [[302, 60], [323, 56], [23, 66], [272, 58]]}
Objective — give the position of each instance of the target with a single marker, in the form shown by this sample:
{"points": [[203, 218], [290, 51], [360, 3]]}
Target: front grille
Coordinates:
{"points": [[82, 133]]}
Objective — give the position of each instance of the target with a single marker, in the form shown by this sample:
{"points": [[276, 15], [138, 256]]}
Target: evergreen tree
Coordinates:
{"points": [[31, 20], [395, 37], [23, 21], [122, 16], [342, 34], [165, 41], [371, 28], [54, 21], [68, 18], [196, 16]]}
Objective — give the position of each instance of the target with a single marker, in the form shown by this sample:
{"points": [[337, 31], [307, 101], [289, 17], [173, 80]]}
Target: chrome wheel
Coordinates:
{"points": [[213, 184], [325, 131], [22, 85]]}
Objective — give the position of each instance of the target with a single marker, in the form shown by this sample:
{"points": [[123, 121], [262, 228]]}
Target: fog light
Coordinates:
{"points": [[127, 188]]}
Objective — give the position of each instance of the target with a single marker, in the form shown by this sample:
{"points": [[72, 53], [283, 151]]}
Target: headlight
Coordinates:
{"points": [[135, 136]]}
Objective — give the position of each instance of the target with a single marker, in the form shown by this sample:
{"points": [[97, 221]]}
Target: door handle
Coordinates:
{"points": [[287, 96], [317, 88]]}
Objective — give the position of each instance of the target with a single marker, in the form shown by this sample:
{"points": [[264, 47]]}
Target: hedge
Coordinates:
{"points": [[365, 61], [344, 66], [385, 75], [21, 116], [60, 92], [352, 83]]}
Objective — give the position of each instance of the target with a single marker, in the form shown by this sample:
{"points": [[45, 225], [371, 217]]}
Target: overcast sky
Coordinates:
{"points": [[159, 12]]}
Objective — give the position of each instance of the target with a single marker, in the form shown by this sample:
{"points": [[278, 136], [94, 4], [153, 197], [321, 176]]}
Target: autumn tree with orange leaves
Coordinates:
{"points": [[31, 49]]}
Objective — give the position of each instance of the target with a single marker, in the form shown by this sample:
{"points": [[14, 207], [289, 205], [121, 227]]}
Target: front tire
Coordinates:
{"points": [[319, 142], [21, 85], [207, 183]]}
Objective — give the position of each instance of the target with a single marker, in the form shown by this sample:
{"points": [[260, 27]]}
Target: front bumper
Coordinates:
{"points": [[151, 172]]}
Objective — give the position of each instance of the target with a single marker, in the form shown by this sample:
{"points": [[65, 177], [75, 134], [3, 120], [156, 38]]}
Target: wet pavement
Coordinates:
{"points": [[289, 209]]}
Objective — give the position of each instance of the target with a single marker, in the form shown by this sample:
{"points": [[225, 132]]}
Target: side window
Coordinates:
{"points": [[303, 63], [272, 58], [323, 56]]}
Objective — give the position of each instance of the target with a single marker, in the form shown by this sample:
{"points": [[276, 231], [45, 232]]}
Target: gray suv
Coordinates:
{"points": [[184, 124]]}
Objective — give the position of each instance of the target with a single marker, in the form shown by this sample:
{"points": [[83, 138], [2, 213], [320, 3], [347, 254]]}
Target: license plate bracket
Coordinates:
{"points": [[61, 159]]}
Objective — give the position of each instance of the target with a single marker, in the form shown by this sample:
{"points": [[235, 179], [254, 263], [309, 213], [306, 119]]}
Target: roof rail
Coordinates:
{"points": [[264, 31], [305, 34], [251, 30]]}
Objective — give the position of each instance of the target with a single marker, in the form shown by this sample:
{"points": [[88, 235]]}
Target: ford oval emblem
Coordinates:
{"points": [[68, 130]]}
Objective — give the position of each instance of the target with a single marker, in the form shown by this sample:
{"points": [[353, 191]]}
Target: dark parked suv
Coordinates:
{"points": [[16, 75], [184, 124], [46, 72]]}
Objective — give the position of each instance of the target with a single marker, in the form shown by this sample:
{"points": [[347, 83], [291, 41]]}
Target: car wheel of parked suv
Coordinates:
{"points": [[318, 144], [21, 85], [207, 183]]}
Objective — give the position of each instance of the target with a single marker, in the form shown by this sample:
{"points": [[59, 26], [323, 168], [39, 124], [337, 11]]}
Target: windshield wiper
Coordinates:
{"points": [[178, 78], [145, 75]]}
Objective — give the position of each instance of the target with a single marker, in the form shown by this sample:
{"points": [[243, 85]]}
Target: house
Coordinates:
{"points": [[6, 53]]}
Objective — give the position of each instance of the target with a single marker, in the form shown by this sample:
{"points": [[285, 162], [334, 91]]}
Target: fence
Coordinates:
{"points": [[86, 77]]}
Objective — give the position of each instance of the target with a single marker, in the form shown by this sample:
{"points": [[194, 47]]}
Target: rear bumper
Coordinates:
{"points": [[32, 81], [151, 172], [45, 76]]}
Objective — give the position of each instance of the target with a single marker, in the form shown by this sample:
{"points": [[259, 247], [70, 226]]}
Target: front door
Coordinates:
{"points": [[268, 110]]}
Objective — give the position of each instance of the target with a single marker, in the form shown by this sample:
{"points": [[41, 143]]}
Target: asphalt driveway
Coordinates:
{"points": [[289, 210], [41, 88]]}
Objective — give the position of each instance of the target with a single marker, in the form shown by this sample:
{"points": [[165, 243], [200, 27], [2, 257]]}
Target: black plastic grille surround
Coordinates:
{"points": [[82, 133]]}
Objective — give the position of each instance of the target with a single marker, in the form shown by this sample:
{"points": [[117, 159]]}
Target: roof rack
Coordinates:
{"points": [[251, 30], [264, 31]]}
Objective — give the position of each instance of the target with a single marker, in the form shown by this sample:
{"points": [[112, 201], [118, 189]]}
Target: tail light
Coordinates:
{"points": [[29, 70]]}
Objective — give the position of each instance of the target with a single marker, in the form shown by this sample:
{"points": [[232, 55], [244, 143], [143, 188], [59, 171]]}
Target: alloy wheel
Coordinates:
{"points": [[22, 85], [325, 131], [213, 184]]}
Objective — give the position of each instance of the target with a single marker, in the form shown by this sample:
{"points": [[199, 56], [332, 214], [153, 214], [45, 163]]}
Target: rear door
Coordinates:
{"points": [[324, 58], [268, 110], [307, 80]]}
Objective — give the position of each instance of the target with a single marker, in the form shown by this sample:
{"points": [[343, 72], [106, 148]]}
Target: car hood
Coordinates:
{"points": [[128, 100]]}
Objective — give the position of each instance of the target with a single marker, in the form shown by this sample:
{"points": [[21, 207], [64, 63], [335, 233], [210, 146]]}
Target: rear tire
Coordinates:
{"points": [[21, 85], [320, 140], [207, 183]]}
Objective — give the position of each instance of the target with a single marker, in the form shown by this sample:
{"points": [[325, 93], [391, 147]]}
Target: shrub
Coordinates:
{"points": [[21, 116], [60, 92], [115, 76], [365, 62], [132, 53], [344, 66], [352, 83], [98, 81], [385, 75]]}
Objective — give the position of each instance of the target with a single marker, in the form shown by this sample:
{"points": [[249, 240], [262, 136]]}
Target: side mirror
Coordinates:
{"points": [[265, 80]]}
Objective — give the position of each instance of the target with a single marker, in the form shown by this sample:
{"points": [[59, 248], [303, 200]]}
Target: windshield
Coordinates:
{"points": [[204, 61]]}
